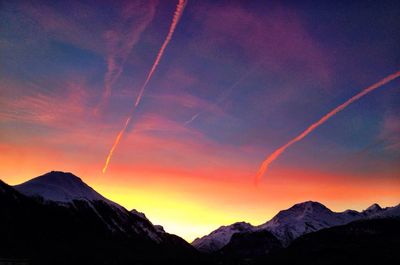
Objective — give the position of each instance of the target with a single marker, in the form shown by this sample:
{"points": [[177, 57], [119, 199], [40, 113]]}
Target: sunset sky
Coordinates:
{"points": [[237, 81]]}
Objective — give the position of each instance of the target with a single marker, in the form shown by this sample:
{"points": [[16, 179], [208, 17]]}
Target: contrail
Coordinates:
{"points": [[115, 144], [175, 20], [223, 95], [279, 151], [177, 15]]}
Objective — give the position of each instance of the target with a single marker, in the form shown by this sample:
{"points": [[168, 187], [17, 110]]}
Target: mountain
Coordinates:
{"points": [[68, 190], [58, 219], [303, 218], [289, 224], [220, 237], [375, 211], [60, 187]]}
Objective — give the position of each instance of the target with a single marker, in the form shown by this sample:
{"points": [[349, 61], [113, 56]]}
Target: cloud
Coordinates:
{"points": [[134, 19], [50, 109]]}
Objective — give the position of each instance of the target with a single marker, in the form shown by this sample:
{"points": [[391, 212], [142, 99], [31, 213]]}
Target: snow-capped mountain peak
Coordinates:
{"points": [[59, 187], [68, 190], [304, 218], [220, 237]]}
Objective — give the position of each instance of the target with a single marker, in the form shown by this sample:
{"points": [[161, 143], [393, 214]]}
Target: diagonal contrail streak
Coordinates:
{"points": [[265, 165], [177, 15]]}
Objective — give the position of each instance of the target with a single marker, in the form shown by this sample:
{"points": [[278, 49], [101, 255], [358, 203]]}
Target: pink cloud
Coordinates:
{"points": [[52, 109]]}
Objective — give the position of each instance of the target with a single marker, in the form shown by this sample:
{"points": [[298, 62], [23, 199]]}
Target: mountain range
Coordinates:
{"points": [[289, 224], [56, 218]]}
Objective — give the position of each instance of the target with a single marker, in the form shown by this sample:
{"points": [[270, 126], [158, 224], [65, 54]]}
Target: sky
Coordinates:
{"points": [[238, 80]]}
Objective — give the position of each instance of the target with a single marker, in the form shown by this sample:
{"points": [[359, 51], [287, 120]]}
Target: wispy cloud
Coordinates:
{"points": [[51, 109], [134, 19]]}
